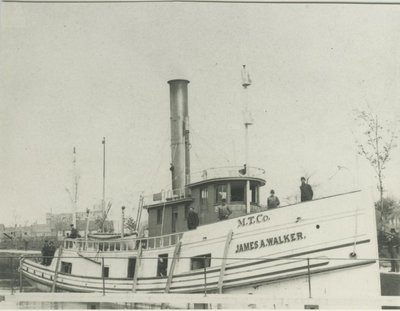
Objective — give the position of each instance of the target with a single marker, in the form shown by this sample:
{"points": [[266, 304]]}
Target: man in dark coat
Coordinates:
{"points": [[306, 191], [393, 248], [74, 233], [51, 251], [223, 210], [192, 219], [273, 201], [45, 253]]}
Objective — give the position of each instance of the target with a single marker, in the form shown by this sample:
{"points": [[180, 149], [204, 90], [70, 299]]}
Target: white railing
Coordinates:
{"points": [[166, 196], [226, 171], [121, 245], [210, 173]]}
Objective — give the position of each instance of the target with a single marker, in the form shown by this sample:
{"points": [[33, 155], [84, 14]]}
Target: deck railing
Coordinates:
{"points": [[122, 245], [210, 173], [226, 171], [166, 196]]}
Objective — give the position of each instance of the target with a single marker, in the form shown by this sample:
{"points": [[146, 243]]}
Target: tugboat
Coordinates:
{"points": [[312, 247]]}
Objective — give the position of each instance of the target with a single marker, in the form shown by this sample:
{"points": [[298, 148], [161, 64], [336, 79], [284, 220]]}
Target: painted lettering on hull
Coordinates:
{"points": [[271, 241], [251, 220]]}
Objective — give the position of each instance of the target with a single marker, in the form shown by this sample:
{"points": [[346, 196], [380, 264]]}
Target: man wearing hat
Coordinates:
{"points": [[273, 201], [192, 219], [45, 252], [223, 210], [393, 248], [305, 190], [74, 233]]}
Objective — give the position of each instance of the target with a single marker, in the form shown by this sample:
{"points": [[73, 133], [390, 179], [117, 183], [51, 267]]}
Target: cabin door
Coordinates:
{"points": [[174, 219], [131, 267], [162, 265]]}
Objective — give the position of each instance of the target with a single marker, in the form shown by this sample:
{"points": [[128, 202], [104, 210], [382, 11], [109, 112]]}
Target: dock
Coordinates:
{"points": [[209, 301]]}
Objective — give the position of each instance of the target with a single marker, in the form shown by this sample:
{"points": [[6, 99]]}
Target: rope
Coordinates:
{"points": [[356, 181], [208, 145]]}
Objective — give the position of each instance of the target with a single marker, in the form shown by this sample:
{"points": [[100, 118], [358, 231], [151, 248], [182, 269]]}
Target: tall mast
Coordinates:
{"points": [[75, 203], [248, 120], [103, 201]]}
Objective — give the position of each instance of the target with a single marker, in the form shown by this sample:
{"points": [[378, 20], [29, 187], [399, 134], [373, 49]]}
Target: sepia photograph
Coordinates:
{"points": [[199, 154]]}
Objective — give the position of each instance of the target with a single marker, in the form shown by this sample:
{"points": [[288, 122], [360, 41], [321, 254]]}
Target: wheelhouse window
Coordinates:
{"points": [[159, 215], [199, 262], [238, 191], [204, 196], [220, 192], [254, 193], [66, 267]]}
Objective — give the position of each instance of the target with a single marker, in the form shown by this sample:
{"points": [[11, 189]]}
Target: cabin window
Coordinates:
{"points": [[204, 196], [220, 192], [162, 265], [131, 267], [66, 267], [237, 191], [106, 272], [199, 262], [159, 215]]}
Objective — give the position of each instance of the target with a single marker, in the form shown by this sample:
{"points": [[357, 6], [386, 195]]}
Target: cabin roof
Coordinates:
{"points": [[169, 202], [217, 180]]}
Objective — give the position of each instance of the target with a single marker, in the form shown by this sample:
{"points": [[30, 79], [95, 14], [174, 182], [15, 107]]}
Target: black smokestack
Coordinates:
{"points": [[180, 163]]}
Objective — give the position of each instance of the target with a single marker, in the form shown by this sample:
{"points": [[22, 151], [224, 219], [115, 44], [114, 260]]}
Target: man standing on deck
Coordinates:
{"points": [[74, 233], [51, 251], [223, 210], [273, 201], [306, 191], [192, 219], [393, 248], [45, 252]]}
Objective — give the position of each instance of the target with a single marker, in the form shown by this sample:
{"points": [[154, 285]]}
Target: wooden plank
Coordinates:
{"points": [[172, 268], [223, 265], [60, 251], [227, 299], [137, 266]]}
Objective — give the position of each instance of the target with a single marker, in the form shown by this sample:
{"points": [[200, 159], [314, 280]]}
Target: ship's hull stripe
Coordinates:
{"points": [[201, 286], [214, 269]]}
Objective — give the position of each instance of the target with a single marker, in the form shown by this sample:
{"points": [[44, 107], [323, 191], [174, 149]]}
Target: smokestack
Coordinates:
{"points": [[180, 158]]}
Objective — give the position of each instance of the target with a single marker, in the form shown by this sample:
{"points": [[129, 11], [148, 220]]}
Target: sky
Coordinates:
{"points": [[72, 74]]}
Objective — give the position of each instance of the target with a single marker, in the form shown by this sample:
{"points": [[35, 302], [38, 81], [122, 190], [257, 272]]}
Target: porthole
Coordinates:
{"points": [[317, 226]]}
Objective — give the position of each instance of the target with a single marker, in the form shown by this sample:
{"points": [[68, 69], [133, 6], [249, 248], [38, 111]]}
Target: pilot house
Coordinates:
{"points": [[205, 190]]}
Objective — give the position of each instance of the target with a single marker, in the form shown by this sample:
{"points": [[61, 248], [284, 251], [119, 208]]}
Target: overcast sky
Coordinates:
{"points": [[73, 73]]}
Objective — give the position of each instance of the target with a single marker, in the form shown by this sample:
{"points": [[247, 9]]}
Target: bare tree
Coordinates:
{"points": [[102, 220], [377, 140], [130, 224]]}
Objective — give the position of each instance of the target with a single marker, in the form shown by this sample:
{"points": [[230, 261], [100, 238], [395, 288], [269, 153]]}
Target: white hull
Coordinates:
{"points": [[294, 251]]}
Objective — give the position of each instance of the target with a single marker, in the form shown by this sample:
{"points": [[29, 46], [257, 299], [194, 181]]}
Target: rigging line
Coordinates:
{"points": [[160, 153], [198, 158], [356, 180], [194, 133], [385, 3]]}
